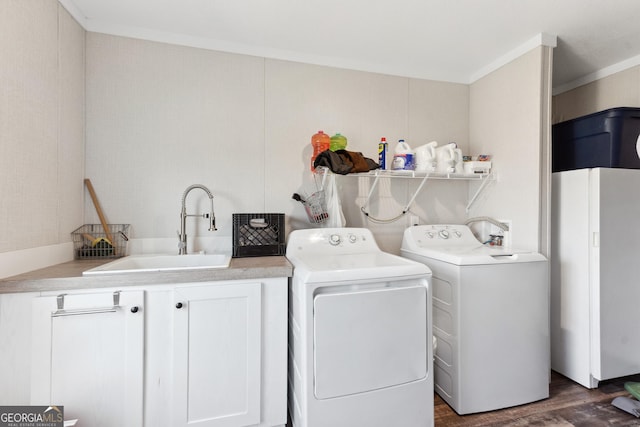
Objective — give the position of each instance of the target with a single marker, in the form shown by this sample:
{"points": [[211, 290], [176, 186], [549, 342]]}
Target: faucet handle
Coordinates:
{"points": [[212, 221]]}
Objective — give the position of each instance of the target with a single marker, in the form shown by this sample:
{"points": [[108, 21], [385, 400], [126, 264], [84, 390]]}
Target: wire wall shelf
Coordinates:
{"points": [[483, 178]]}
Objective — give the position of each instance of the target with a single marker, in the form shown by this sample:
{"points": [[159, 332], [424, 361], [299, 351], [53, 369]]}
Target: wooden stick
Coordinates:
{"points": [[105, 226]]}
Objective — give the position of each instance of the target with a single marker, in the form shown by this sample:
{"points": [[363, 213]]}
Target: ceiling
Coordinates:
{"points": [[449, 40]]}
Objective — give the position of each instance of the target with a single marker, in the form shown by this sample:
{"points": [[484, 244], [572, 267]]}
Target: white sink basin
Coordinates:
{"points": [[148, 263]]}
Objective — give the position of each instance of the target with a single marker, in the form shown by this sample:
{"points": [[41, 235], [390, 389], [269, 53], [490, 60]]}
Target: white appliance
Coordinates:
{"points": [[490, 318], [595, 274], [359, 319]]}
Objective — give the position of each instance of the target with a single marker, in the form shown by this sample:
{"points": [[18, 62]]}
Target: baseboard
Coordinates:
{"points": [[25, 260]]}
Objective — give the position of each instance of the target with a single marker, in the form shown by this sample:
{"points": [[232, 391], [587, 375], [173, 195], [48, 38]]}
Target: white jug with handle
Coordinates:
{"points": [[426, 157], [459, 165], [403, 157], [446, 156]]}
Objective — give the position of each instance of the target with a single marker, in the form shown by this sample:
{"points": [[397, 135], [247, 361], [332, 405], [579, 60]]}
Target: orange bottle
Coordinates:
{"points": [[320, 142]]}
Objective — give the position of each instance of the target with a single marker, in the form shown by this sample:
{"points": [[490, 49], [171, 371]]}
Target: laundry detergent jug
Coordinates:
{"points": [[426, 157], [458, 161], [403, 157], [446, 158]]}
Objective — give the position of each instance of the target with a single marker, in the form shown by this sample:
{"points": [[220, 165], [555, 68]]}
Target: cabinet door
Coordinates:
{"points": [[15, 348], [88, 356], [217, 357]]}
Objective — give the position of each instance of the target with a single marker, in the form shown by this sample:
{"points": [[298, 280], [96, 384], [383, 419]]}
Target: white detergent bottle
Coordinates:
{"points": [[459, 165], [403, 157], [426, 157], [446, 158]]}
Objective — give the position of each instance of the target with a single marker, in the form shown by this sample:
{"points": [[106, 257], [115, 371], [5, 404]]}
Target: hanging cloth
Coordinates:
{"points": [[334, 206]]}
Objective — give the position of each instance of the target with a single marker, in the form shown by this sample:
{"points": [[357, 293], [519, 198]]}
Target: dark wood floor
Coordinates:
{"points": [[569, 404]]}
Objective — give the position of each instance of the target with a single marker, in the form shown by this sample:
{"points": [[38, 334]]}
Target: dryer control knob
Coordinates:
{"points": [[444, 234], [458, 234], [353, 238], [334, 239], [430, 234]]}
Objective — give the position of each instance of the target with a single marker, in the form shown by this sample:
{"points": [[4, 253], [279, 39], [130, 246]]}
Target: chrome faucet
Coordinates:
{"points": [[182, 245]]}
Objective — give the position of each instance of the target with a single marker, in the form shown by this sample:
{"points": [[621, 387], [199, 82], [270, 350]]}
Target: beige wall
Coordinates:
{"points": [[42, 122], [161, 117], [617, 90], [509, 120]]}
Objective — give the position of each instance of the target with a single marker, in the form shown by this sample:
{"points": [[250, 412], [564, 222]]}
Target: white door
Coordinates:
{"points": [[369, 340], [570, 295], [614, 272], [217, 355], [87, 356]]}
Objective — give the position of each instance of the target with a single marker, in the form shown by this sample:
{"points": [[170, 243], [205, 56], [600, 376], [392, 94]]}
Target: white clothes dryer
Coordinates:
{"points": [[359, 319], [490, 318]]}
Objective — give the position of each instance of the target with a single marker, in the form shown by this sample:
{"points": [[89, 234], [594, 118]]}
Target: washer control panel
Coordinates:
{"points": [[441, 235], [444, 233]]}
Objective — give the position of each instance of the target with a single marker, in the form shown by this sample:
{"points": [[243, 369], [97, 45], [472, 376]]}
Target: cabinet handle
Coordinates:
{"points": [[179, 305], [134, 309], [61, 311]]}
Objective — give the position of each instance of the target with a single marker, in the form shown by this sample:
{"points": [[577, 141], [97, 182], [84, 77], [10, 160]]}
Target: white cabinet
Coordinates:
{"points": [[216, 355], [15, 348], [87, 354], [220, 358]]}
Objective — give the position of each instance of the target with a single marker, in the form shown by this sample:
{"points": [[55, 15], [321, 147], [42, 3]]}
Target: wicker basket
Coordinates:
{"points": [[90, 241]]}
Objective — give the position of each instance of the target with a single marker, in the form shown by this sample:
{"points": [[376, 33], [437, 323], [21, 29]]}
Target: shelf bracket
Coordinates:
{"points": [[483, 185], [373, 187], [415, 194]]}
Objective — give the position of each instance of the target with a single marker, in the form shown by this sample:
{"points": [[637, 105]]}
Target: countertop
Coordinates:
{"points": [[68, 275]]}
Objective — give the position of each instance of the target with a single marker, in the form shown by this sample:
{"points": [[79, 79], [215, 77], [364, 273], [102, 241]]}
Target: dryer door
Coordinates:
{"points": [[368, 340]]}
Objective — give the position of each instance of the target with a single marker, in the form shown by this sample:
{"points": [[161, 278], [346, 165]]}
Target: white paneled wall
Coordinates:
{"points": [[302, 99], [621, 89], [72, 126], [162, 117], [29, 116], [439, 111], [41, 133], [144, 120], [507, 109]]}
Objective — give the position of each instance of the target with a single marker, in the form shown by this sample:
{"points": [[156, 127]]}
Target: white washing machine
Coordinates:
{"points": [[490, 318], [359, 319]]}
